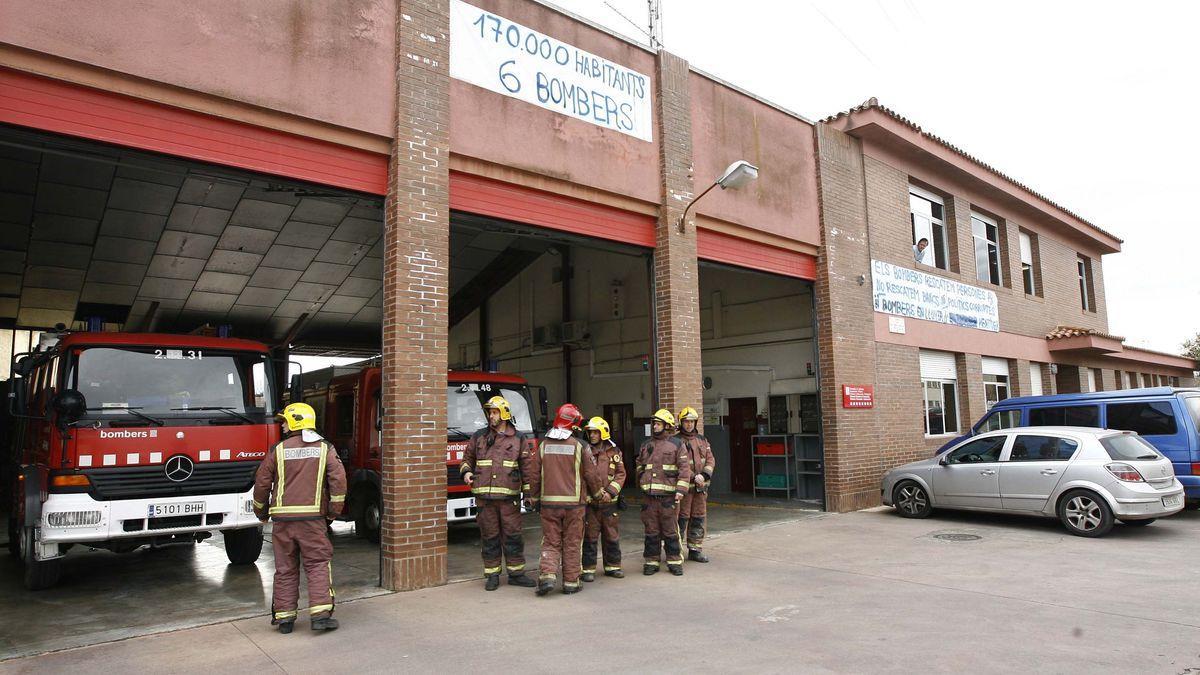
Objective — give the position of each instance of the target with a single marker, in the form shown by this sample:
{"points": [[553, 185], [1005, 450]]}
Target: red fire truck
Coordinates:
{"points": [[348, 404], [121, 440]]}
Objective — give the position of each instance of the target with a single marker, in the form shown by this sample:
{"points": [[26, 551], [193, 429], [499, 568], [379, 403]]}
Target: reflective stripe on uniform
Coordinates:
{"points": [[615, 485], [646, 487], [281, 473], [337, 499], [491, 570], [682, 483], [708, 470], [571, 584], [483, 462], [510, 464], [287, 614], [257, 504], [494, 490], [516, 568], [611, 568], [317, 609]]}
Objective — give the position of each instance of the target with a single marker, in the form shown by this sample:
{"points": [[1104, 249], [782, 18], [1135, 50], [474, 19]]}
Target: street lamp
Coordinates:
{"points": [[737, 175]]}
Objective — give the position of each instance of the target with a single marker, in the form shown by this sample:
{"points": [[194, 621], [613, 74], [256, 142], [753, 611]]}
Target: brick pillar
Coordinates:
{"points": [[847, 350], [416, 304], [1020, 383], [676, 274], [1049, 382], [972, 400], [1108, 380]]}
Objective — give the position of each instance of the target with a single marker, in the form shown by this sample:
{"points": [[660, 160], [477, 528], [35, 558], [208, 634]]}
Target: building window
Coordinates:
{"points": [[995, 380], [986, 234], [1131, 380], [1035, 379], [1087, 297], [927, 212], [939, 377], [1027, 272]]}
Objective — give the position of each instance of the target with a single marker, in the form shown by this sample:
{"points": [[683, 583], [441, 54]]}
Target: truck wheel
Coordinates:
{"points": [[38, 574], [243, 546], [370, 517], [14, 544]]}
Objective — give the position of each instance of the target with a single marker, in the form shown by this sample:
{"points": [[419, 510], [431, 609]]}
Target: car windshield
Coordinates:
{"points": [[466, 401], [1127, 447], [171, 382]]}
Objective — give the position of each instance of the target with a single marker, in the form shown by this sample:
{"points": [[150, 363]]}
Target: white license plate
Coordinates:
{"points": [[1173, 501], [178, 509]]}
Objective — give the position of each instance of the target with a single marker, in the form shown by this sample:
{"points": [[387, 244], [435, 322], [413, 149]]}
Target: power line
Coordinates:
{"points": [[846, 37]]}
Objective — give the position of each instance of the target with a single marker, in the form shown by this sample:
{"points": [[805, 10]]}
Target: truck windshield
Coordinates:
{"points": [[173, 382], [466, 406]]}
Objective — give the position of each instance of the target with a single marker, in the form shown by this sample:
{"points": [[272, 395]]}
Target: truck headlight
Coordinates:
{"points": [[73, 518]]}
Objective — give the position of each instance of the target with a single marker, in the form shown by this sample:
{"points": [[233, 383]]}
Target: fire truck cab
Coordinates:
{"points": [[121, 440], [349, 414]]}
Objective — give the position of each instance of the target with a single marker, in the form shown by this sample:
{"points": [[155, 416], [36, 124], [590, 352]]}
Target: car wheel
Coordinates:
{"points": [[1085, 514], [912, 500], [243, 546], [1139, 523], [370, 518]]}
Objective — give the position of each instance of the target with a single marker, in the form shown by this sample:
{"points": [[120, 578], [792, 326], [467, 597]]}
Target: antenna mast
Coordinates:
{"points": [[655, 24]]}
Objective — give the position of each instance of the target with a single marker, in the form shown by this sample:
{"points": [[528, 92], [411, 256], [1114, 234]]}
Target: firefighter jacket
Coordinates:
{"points": [[567, 473], [663, 467], [500, 462], [700, 455], [612, 469], [301, 478]]}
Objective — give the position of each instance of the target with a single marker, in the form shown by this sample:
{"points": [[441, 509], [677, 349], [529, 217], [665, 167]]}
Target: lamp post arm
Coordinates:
{"points": [[683, 218]]}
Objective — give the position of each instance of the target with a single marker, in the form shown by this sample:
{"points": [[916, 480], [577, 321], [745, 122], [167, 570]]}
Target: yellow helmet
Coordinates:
{"points": [[598, 424], [501, 404], [688, 413], [663, 415], [299, 416]]}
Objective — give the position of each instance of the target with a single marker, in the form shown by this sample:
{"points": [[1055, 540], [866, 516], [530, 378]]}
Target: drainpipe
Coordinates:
{"points": [[565, 252]]}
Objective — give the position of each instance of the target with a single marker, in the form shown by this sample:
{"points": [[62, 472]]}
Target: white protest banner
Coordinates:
{"points": [[492, 52], [904, 292]]}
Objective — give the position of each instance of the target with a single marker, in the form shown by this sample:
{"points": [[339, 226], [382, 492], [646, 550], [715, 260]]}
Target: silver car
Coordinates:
{"points": [[1087, 478]]}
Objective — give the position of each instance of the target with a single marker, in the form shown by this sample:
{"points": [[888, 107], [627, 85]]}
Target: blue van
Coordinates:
{"points": [[1169, 418]]}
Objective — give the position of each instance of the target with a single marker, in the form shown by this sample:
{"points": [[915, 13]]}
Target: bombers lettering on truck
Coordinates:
{"points": [[126, 433]]}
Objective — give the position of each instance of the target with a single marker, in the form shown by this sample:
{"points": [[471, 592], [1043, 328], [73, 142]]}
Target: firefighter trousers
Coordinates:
{"points": [[600, 526], [659, 516], [692, 511], [297, 544], [500, 529], [562, 541]]}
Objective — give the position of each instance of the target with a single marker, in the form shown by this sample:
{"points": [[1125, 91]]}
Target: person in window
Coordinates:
{"points": [[921, 252]]}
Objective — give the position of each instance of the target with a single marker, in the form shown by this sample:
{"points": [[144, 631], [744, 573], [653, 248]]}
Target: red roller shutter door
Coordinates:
{"points": [[724, 248]]}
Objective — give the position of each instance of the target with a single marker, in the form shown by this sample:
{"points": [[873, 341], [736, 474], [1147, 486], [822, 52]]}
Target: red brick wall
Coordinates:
{"points": [[415, 305], [676, 277]]}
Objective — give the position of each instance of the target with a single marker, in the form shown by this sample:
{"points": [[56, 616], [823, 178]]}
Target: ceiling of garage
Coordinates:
{"points": [[90, 230]]}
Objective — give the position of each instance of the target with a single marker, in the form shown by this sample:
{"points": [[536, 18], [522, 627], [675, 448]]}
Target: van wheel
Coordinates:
{"points": [[1085, 514], [243, 546], [38, 574], [912, 500], [369, 521], [1139, 523]]}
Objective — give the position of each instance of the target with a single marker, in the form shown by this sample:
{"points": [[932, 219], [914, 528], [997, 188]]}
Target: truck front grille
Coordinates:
{"points": [[142, 482]]}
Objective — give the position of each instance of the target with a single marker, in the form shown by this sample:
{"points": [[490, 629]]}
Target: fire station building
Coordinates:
{"points": [[499, 185]]}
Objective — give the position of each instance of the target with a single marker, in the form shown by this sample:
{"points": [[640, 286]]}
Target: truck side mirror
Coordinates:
{"points": [[544, 406], [70, 405], [296, 388]]}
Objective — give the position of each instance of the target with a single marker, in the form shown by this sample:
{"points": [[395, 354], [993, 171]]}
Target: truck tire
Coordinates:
{"points": [[369, 520], [37, 574], [14, 544], [243, 546]]}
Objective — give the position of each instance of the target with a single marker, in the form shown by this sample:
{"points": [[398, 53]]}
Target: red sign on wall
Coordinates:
{"points": [[858, 396]]}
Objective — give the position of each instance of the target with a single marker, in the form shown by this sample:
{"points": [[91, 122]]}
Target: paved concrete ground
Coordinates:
{"points": [[105, 597], [862, 592]]}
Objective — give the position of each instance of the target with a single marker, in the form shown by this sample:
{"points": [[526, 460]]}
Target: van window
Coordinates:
{"points": [[1193, 405], [1149, 418], [1065, 416], [1042, 449], [1001, 419]]}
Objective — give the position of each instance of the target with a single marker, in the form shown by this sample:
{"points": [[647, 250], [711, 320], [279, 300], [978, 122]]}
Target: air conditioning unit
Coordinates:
{"points": [[547, 337], [575, 333]]}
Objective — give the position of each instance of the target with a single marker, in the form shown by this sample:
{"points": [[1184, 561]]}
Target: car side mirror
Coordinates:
{"points": [[70, 406], [943, 460]]}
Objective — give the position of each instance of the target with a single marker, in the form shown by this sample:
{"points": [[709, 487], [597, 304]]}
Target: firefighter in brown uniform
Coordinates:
{"points": [[567, 475], [496, 464], [665, 475], [301, 486], [600, 524], [694, 506]]}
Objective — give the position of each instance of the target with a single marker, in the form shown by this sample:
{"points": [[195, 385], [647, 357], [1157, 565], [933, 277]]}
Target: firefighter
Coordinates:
{"points": [[665, 475], [496, 464], [567, 475], [601, 520], [695, 503], [301, 486]]}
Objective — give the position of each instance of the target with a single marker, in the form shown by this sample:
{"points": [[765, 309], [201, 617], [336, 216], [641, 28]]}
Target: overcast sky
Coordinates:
{"points": [[1090, 103]]}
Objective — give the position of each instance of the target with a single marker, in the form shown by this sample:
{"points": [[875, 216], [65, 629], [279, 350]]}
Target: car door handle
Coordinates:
{"points": [[987, 472], [1049, 472]]}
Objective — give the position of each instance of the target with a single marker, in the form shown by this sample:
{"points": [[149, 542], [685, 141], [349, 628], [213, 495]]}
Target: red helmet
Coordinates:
{"points": [[568, 417]]}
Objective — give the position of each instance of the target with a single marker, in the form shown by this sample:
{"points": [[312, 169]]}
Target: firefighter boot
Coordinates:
{"points": [[286, 627], [677, 570], [545, 586], [325, 623], [569, 589], [649, 569], [616, 574], [519, 579], [492, 582], [588, 577], [697, 555]]}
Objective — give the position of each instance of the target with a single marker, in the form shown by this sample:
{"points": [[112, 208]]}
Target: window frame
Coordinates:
{"points": [[1004, 444], [982, 427], [1078, 444], [1034, 409], [991, 247], [1083, 266], [996, 386], [938, 228], [943, 383], [1108, 420], [1028, 274]]}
